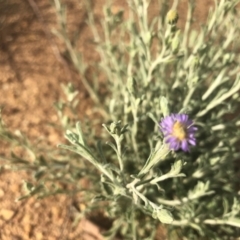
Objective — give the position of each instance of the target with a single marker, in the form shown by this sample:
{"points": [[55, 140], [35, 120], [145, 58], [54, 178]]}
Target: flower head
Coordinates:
{"points": [[172, 16], [178, 131]]}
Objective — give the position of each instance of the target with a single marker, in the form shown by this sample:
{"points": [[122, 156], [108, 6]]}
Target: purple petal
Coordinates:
{"points": [[193, 128], [184, 146], [184, 118], [191, 135], [189, 122], [175, 145], [171, 140], [192, 141]]}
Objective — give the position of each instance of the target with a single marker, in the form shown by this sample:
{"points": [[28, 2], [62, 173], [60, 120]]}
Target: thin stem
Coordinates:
{"points": [[175, 4], [135, 125], [134, 232], [119, 149], [187, 25], [182, 201], [235, 222], [188, 97]]}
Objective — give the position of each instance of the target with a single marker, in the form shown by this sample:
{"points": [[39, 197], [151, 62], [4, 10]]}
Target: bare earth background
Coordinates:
{"points": [[32, 67]]}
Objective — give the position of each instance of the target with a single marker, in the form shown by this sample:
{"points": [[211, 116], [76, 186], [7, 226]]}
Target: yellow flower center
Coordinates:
{"points": [[179, 131]]}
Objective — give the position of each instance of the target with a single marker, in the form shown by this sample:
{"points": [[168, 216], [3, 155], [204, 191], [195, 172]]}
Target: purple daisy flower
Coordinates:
{"points": [[178, 131]]}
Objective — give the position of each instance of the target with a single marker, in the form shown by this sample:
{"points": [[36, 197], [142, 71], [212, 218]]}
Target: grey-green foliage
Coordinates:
{"points": [[152, 69]]}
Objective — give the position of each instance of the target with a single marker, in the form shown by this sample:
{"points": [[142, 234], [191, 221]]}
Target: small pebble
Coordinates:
{"points": [[6, 214], [1, 193]]}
